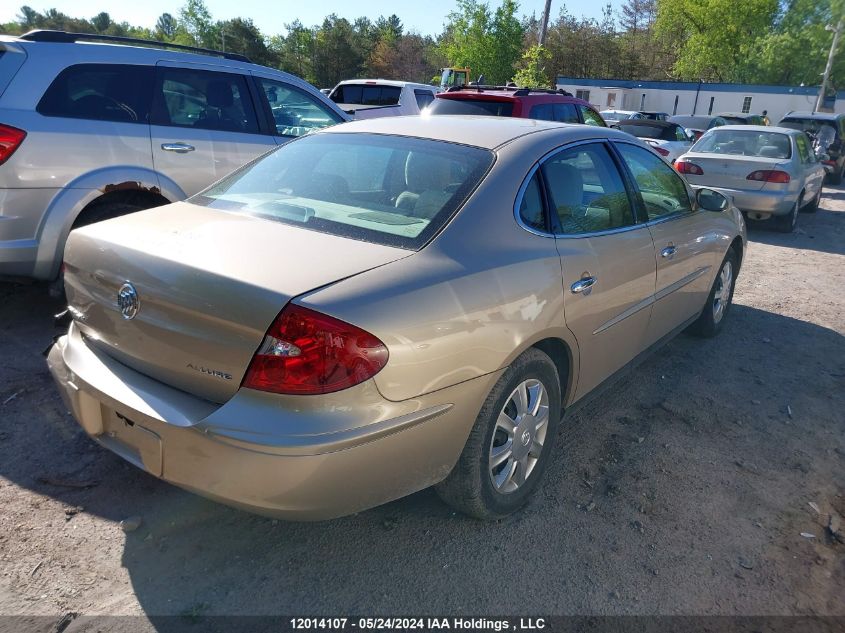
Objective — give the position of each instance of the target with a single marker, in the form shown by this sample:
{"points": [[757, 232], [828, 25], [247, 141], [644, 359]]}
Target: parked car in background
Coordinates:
{"points": [[371, 98], [829, 127], [743, 118], [655, 116], [91, 129], [771, 173], [612, 117], [669, 140], [527, 103], [337, 324], [697, 125]]}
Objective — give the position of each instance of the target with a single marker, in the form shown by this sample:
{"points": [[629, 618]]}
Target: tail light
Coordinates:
{"points": [[769, 175], [10, 140], [660, 150], [831, 163], [684, 167], [306, 352]]}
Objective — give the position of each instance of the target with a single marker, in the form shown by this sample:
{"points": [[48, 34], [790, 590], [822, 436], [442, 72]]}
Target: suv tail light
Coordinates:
{"points": [[10, 140], [684, 167], [769, 175], [306, 352]]}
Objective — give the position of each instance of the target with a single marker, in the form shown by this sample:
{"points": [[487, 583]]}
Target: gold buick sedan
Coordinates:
{"points": [[387, 305]]}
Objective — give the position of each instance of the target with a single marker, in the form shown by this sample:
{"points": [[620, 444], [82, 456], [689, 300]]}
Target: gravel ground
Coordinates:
{"points": [[684, 490]]}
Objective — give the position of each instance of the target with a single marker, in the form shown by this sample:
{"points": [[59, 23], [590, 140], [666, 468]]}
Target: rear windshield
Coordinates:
{"points": [[389, 190], [649, 131], [808, 125], [479, 107], [367, 94], [745, 143]]}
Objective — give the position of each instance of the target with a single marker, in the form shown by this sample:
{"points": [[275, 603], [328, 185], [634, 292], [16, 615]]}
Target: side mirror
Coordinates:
{"points": [[710, 200]]}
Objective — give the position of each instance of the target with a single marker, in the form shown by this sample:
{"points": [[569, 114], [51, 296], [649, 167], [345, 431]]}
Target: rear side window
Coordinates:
{"points": [[424, 97], [591, 117], [367, 94], [476, 107], [294, 111], [586, 190], [543, 111], [566, 113], [100, 92], [203, 99]]}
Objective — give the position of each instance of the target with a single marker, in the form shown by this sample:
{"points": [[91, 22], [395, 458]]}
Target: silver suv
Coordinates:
{"points": [[92, 129]]}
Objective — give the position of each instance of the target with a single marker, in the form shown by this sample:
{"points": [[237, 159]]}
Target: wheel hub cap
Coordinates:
{"points": [[519, 436], [722, 295]]}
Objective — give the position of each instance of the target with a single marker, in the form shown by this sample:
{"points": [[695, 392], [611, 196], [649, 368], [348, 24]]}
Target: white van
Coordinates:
{"points": [[371, 98]]}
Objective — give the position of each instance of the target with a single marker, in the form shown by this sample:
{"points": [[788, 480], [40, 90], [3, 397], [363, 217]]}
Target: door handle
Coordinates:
{"points": [[668, 252], [179, 148], [582, 284]]}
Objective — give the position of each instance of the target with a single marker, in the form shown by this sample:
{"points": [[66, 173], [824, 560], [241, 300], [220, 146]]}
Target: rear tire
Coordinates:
{"points": [[788, 223], [720, 299], [502, 464], [814, 205]]}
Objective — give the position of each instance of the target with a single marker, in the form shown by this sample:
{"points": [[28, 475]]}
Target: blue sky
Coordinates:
{"points": [[426, 16]]}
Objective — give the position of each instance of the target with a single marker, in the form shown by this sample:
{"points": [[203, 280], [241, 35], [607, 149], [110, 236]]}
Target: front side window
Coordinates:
{"points": [[294, 111], [662, 190], [591, 117], [205, 100], [389, 190], [586, 191], [100, 92]]}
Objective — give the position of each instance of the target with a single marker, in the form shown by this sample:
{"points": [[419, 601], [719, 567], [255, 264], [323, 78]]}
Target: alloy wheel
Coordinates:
{"points": [[722, 293]]}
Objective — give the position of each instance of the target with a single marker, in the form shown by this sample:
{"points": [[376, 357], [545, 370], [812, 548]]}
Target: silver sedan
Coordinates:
{"points": [[771, 173]]}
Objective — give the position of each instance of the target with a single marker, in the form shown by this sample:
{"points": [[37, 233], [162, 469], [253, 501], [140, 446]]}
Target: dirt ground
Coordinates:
{"points": [[684, 490]]}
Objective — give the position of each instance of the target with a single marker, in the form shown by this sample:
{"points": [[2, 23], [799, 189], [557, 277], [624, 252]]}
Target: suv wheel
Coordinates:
{"points": [[509, 446]]}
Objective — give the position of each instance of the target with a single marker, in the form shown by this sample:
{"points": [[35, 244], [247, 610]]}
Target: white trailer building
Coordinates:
{"points": [[692, 97]]}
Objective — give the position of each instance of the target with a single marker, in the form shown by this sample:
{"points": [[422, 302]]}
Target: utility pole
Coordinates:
{"points": [[223, 36], [836, 33], [544, 26]]}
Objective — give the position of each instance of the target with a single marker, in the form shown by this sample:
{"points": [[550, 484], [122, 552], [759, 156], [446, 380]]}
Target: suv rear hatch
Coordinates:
{"points": [[209, 284], [472, 105], [12, 57]]}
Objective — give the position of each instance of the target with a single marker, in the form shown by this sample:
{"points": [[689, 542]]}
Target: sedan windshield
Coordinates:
{"points": [[745, 143], [389, 190]]}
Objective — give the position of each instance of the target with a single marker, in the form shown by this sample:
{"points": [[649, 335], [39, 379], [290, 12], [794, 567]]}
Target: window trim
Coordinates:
{"points": [[638, 223], [638, 194]]}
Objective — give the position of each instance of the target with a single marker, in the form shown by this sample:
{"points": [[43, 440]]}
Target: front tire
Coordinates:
{"points": [[509, 445], [720, 299]]}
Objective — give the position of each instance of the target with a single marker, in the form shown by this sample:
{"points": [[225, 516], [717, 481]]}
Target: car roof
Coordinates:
{"points": [[738, 115], [487, 132], [825, 116], [510, 95], [383, 82], [648, 123], [763, 129]]}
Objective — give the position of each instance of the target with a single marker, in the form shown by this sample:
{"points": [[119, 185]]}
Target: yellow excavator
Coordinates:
{"points": [[450, 77]]}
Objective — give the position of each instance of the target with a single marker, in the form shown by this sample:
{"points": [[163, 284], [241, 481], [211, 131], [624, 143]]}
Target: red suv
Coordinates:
{"points": [[526, 103]]}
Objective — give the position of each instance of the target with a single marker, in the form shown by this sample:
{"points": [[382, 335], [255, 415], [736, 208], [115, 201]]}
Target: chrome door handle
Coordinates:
{"points": [[668, 252], [582, 284], [179, 148]]}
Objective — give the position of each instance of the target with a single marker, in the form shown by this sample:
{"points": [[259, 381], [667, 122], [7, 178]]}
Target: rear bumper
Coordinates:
{"points": [[767, 202], [295, 457]]}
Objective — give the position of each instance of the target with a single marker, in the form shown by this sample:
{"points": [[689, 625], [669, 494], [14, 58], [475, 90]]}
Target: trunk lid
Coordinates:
{"points": [[729, 170], [209, 283]]}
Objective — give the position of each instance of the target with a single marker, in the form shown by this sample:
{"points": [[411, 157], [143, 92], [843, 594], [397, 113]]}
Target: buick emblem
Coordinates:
{"points": [[526, 438], [127, 301]]}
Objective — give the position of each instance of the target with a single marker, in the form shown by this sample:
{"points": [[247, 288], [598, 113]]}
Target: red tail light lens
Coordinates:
{"points": [[684, 167], [769, 175], [306, 352], [10, 140], [660, 150]]}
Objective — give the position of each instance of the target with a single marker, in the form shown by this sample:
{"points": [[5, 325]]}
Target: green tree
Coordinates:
{"points": [[195, 22], [533, 71], [101, 22], [715, 38], [166, 26]]}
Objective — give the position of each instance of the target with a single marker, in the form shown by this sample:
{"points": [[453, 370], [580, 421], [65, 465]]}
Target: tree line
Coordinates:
{"points": [[747, 41]]}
